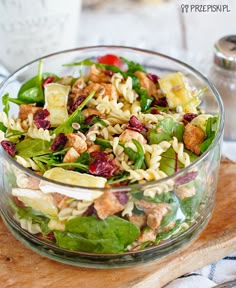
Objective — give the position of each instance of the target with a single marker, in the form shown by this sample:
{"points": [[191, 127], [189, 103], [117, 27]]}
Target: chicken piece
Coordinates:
{"points": [[155, 212], [185, 192], [147, 84], [139, 220], [78, 86], [107, 205], [33, 183], [147, 235], [98, 75], [26, 109], [90, 111], [71, 156], [60, 200], [128, 135], [102, 89], [77, 142], [94, 148], [193, 137]]}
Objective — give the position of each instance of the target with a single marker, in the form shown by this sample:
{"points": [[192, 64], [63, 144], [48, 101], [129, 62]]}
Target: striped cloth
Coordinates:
{"points": [[209, 276]]}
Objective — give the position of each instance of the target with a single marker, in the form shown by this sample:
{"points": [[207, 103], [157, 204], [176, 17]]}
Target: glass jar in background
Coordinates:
{"points": [[30, 29], [223, 76]]}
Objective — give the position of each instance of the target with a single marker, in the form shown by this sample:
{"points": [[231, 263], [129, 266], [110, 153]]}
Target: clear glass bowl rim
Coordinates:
{"points": [[135, 186]]}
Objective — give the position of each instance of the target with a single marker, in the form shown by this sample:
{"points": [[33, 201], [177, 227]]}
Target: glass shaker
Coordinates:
{"points": [[223, 75]]}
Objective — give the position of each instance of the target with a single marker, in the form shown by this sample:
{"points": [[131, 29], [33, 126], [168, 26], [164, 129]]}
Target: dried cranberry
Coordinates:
{"points": [[189, 117], [40, 123], [154, 111], [160, 102], [48, 80], [135, 124], [76, 102], [59, 142], [153, 77], [109, 73], [41, 114], [9, 147], [101, 165], [122, 197], [186, 178], [88, 120], [90, 211]]}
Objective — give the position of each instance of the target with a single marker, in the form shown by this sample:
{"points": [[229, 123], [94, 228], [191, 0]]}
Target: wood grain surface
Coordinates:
{"points": [[20, 267]]}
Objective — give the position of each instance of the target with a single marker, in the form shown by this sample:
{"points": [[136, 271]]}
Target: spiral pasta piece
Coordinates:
{"points": [[11, 123], [178, 147], [27, 163], [149, 174], [40, 133]]}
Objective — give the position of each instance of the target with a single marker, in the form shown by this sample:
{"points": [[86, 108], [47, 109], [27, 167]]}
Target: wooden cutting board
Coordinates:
{"points": [[20, 267]]}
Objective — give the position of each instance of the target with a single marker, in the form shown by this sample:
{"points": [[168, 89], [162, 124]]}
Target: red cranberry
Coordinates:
{"points": [[40, 123], [154, 111], [88, 120], [153, 77], [135, 124], [48, 80], [109, 73], [160, 102], [122, 197], [189, 117], [59, 142], [77, 101], [9, 147], [101, 165], [41, 114]]}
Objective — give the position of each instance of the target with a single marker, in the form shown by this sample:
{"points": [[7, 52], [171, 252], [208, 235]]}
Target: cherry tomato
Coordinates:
{"points": [[110, 59]]}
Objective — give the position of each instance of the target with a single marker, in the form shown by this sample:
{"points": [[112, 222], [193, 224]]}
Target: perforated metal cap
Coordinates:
{"points": [[225, 52]]}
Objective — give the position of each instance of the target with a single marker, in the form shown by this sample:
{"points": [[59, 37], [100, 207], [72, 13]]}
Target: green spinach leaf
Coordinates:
{"points": [[33, 147], [169, 162], [165, 130], [5, 103], [133, 66], [89, 234]]}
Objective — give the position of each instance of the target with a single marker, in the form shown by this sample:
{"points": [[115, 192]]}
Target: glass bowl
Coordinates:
{"points": [[188, 215]]}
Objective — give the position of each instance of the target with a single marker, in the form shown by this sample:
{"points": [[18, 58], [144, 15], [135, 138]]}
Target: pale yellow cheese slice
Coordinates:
{"points": [[56, 97]]}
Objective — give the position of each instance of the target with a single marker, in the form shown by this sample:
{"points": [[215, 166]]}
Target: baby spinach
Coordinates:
{"points": [[190, 205], [168, 233], [90, 234], [165, 130], [32, 90], [32, 147], [169, 162], [145, 100], [211, 129]]}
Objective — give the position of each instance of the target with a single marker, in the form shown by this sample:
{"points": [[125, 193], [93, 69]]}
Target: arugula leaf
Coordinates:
{"points": [[136, 157], [33, 147], [5, 103], [90, 234], [75, 117], [118, 178], [89, 62], [145, 100], [133, 66], [211, 129], [33, 215], [165, 130], [84, 158], [103, 143], [3, 128]]}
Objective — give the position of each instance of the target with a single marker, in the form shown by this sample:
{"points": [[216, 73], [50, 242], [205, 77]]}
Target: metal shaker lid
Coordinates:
{"points": [[225, 52]]}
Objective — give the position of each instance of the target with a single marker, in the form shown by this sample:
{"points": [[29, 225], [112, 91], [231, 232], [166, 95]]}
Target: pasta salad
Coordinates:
{"points": [[115, 125]]}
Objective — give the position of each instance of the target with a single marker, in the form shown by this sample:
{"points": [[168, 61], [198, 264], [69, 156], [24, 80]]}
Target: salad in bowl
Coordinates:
{"points": [[111, 158]]}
